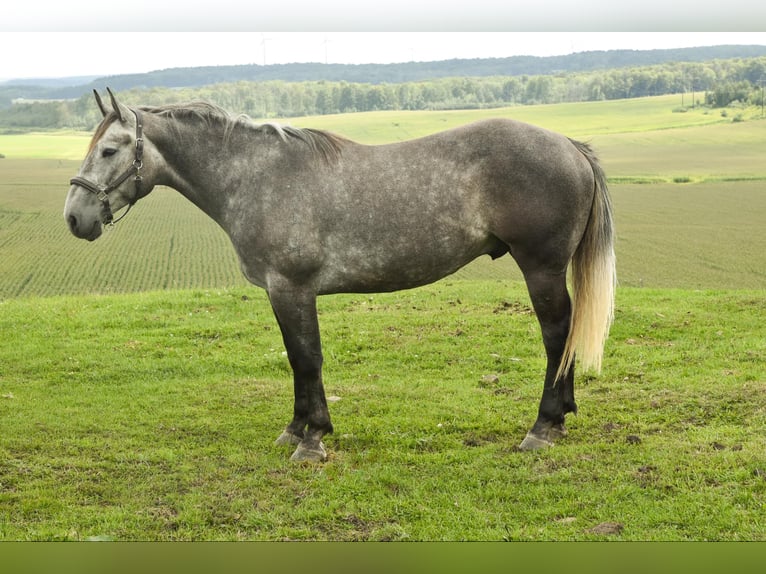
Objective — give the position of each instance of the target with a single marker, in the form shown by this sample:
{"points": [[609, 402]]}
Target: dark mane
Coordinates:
{"points": [[199, 110], [328, 145]]}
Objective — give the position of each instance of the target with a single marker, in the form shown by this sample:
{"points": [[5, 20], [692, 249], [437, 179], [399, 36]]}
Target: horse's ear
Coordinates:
{"points": [[100, 103], [116, 106]]}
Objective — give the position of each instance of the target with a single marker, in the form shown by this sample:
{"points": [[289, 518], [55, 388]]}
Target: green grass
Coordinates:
{"points": [[65, 145], [707, 235], [578, 120], [151, 417], [713, 153]]}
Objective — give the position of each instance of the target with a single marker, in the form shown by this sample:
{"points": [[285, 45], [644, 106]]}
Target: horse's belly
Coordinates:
{"points": [[397, 264]]}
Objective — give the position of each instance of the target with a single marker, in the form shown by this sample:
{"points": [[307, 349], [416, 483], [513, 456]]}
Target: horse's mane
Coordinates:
{"points": [[101, 129], [323, 143]]}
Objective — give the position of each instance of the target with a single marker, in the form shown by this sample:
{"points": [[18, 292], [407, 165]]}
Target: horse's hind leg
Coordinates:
{"points": [[296, 314], [552, 305]]}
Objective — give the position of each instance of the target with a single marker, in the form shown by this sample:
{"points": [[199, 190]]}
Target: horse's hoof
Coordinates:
{"points": [[532, 442], [309, 454], [288, 438]]}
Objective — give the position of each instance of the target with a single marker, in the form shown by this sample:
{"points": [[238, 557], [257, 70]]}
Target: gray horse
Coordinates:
{"points": [[312, 213]]}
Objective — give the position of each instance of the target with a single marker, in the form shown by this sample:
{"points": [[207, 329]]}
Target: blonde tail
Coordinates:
{"points": [[594, 279]]}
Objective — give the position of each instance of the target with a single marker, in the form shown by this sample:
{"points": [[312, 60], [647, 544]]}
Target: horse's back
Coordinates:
{"points": [[406, 214]]}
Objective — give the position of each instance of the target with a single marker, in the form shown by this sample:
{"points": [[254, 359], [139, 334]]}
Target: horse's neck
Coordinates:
{"points": [[193, 167]]}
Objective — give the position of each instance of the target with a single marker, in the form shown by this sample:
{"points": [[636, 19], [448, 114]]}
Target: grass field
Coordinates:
{"points": [[142, 383], [152, 417], [580, 120]]}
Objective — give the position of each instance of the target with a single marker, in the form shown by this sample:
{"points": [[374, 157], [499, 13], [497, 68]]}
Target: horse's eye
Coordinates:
{"points": [[108, 152]]}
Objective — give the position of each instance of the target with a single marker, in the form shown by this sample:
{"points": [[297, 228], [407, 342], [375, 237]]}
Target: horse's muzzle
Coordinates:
{"points": [[91, 233]]}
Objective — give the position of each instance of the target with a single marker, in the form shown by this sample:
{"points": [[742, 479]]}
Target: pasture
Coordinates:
{"points": [[152, 417], [142, 382]]}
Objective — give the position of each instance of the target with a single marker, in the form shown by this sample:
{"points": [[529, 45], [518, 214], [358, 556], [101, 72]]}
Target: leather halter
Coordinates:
{"points": [[102, 191]]}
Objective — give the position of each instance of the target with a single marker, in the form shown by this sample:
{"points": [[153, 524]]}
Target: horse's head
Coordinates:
{"points": [[112, 175]]}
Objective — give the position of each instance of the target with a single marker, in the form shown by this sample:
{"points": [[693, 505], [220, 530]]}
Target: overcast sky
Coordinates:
{"points": [[40, 38]]}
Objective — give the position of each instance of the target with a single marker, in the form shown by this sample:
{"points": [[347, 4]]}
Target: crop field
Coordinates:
{"points": [[169, 245], [142, 381]]}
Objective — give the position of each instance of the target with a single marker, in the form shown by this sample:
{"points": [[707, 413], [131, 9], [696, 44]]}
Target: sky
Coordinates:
{"points": [[44, 39]]}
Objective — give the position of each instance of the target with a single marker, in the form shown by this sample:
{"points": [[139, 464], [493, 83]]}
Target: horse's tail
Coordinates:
{"points": [[594, 279]]}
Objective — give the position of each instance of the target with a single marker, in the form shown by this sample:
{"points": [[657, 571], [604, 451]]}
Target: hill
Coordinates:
{"points": [[378, 73]]}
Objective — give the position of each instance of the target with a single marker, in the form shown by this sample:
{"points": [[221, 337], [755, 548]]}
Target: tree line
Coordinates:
{"points": [[716, 83], [398, 73]]}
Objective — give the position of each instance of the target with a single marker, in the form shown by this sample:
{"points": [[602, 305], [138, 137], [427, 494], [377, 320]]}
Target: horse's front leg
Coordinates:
{"points": [[295, 309]]}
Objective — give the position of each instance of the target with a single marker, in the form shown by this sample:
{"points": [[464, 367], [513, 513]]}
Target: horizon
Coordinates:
{"points": [[279, 48]]}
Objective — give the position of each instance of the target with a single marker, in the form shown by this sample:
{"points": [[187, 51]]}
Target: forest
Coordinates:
{"points": [[715, 83]]}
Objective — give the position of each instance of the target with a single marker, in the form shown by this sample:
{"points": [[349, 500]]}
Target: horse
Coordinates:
{"points": [[311, 213]]}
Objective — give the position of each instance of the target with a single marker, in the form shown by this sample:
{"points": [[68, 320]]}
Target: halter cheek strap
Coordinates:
{"points": [[102, 191]]}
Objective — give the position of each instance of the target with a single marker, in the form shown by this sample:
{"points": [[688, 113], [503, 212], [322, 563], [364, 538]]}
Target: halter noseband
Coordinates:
{"points": [[102, 191]]}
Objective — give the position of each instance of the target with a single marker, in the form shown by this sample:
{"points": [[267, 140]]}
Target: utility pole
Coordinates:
{"points": [[263, 44], [693, 101], [695, 83], [326, 42]]}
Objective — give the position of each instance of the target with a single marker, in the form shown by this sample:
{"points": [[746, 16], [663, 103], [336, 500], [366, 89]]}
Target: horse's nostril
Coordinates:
{"points": [[72, 220]]}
